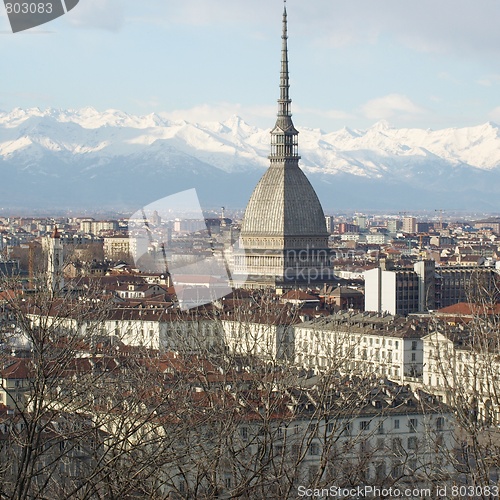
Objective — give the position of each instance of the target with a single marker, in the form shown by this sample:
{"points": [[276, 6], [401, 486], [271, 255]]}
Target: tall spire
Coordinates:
{"points": [[284, 100], [284, 136]]}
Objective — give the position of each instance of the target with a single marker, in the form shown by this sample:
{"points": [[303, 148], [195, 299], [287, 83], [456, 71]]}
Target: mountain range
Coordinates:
{"points": [[89, 159]]}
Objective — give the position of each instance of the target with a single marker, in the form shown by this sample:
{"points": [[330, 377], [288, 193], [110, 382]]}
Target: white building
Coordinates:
{"points": [[425, 287], [362, 432], [189, 225], [330, 223], [361, 343], [55, 262], [463, 371], [267, 336], [377, 239], [91, 226], [152, 328], [409, 225], [353, 237], [116, 247]]}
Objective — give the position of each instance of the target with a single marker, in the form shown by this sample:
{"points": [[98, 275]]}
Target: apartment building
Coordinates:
{"points": [[363, 343], [425, 287]]}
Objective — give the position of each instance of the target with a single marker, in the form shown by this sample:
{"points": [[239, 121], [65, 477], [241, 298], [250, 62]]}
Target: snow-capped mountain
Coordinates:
{"points": [[86, 158]]}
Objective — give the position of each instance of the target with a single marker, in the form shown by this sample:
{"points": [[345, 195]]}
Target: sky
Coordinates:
{"points": [[427, 64]]}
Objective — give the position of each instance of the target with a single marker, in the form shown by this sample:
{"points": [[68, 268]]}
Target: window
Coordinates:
{"points": [[380, 428], [412, 465], [412, 443], [414, 356], [396, 344], [397, 446], [330, 427], [312, 473], [397, 470], [396, 424], [413, 424], [364, 447], [364, 425], [438, 442], [380, 470], [244, 433], [314, 449], [440, 423], [347, 429], [414, 345]]}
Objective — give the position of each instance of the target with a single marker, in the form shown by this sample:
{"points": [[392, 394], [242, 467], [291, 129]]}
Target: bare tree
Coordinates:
{"points": [[220, 412], [463, 368]]}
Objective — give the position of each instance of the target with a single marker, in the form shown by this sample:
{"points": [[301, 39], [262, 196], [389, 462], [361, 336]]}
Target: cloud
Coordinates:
{"points": [[98, 14], [153, 102], [494, 114], [461, 27], [199, 12], [332, 114], [255, 115], [205, 113], [489, 81], [447, 77], [390, 106]]}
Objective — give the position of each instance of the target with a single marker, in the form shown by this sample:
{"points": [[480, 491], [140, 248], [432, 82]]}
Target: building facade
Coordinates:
{"points": [[425, 287], [361, 344]]}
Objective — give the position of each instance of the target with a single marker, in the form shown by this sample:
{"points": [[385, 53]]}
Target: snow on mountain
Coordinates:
{"points": [[234, 144], [74, 145]]}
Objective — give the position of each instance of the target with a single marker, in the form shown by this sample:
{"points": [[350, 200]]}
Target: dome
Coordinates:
{"points": [[284, 204]]}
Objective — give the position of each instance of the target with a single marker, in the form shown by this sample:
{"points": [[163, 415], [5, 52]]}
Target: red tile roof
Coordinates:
{"points": [[470, 309], [19, 369]]}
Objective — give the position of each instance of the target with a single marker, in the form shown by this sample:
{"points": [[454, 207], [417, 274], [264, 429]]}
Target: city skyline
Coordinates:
{"points": [[431, 66], [187, 351]]}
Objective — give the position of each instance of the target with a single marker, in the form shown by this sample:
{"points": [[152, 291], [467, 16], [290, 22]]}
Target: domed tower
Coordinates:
{"points": [[284, 231]]}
